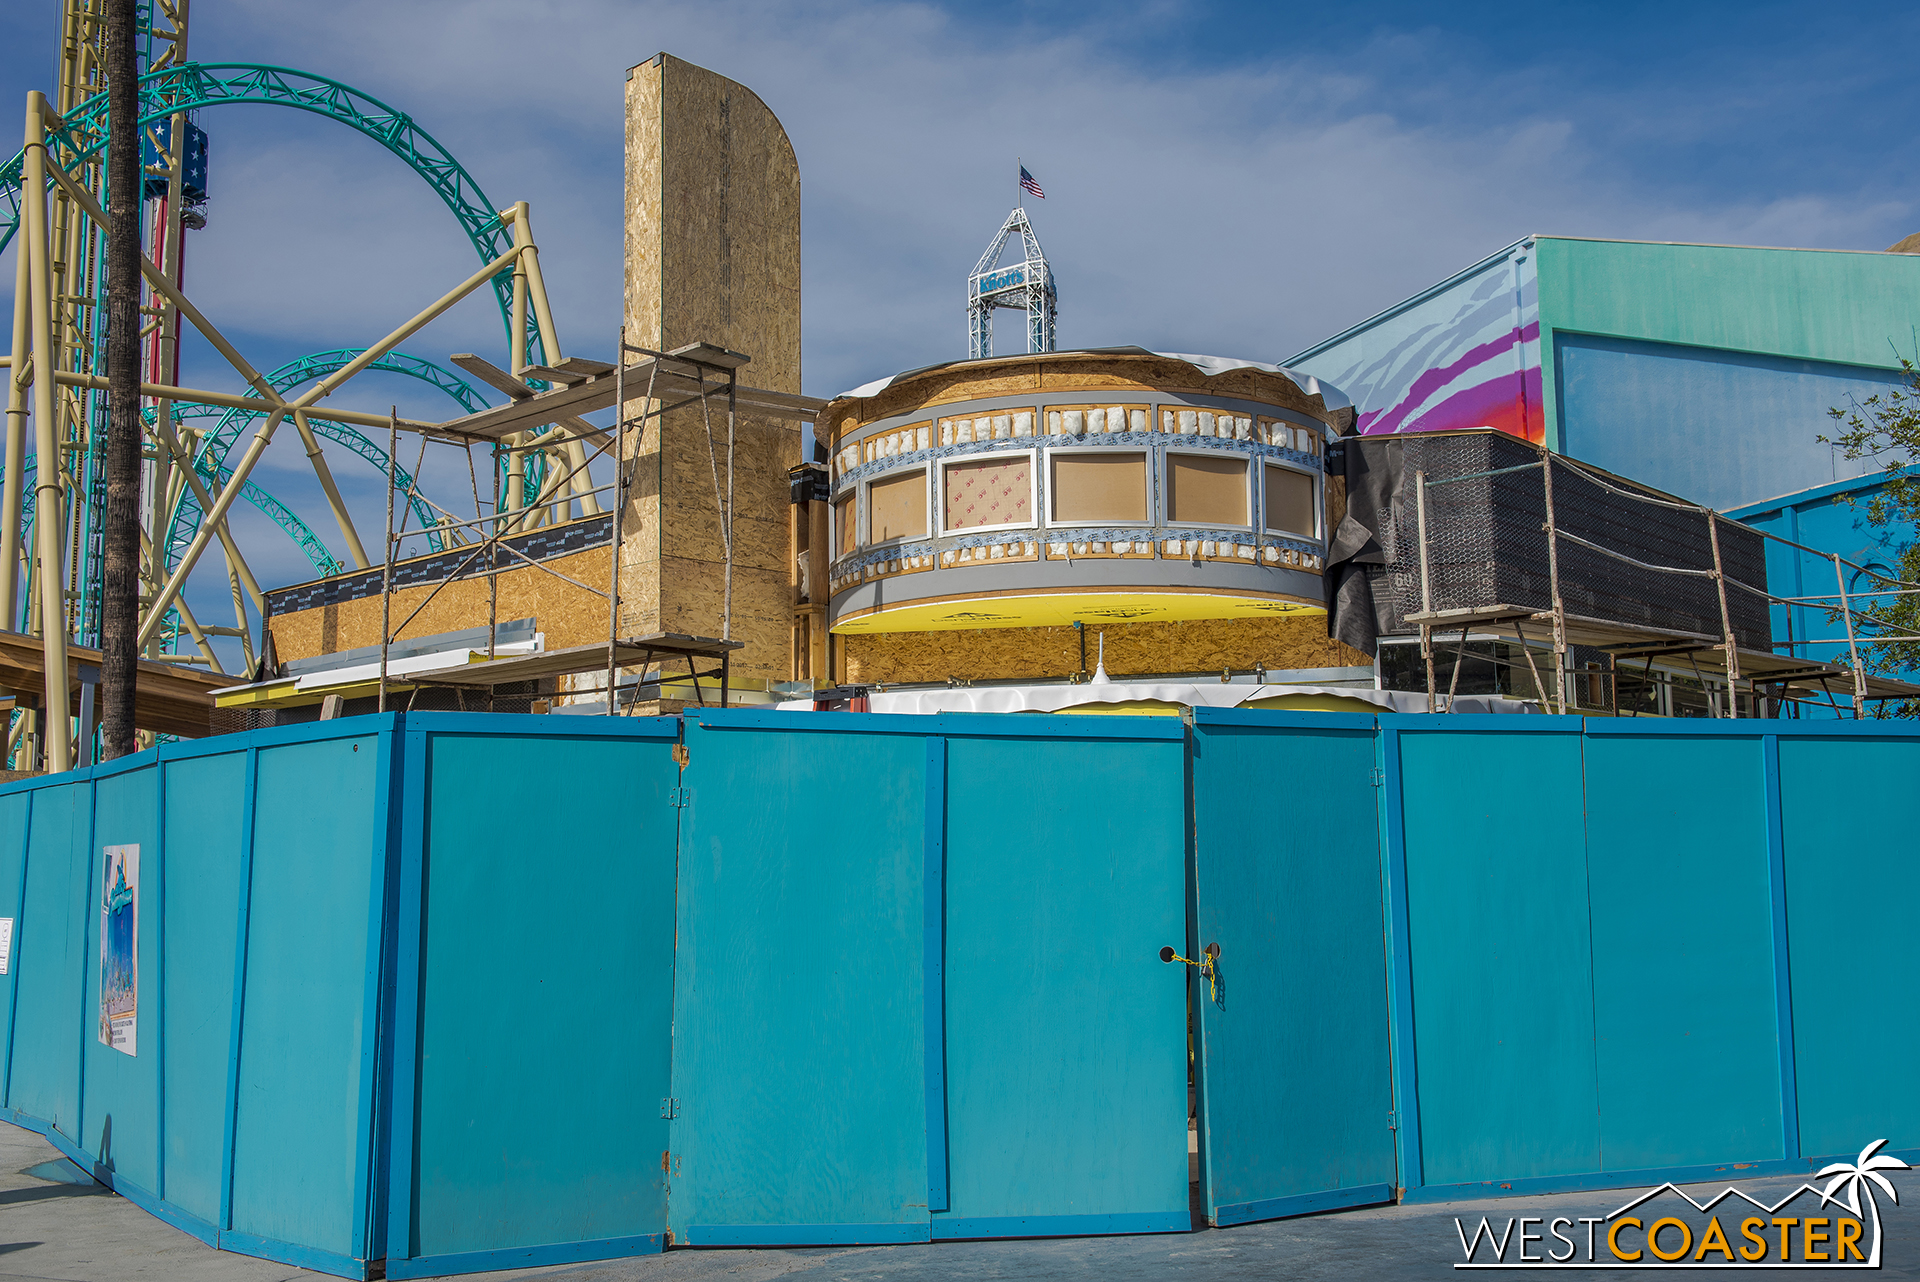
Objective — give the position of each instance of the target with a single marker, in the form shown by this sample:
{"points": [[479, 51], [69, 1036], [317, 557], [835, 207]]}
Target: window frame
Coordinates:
{"points": [[1030, 453], [866, 506], [1147, 454], [1247, 459], [851, 497], [1319, 480]]}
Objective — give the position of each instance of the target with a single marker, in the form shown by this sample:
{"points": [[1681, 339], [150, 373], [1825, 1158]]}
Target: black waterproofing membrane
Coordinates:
{"points": [[1487, 543]]}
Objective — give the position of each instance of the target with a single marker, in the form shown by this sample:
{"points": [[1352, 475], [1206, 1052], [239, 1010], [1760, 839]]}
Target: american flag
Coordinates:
{"points": [[1028, 184]]}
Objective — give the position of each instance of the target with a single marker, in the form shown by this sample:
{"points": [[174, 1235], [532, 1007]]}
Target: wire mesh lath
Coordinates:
{"points": [[1487, 545]]}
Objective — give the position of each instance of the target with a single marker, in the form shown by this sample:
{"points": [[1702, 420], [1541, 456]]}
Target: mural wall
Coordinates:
{"points": [[1464, 354]]}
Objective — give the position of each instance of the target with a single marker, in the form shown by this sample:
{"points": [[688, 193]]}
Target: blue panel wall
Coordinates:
{"points": [[1298, 1094], [1717, 427], [1831, 518], [1686, 1041], [14, 809], [1500, 956], [50, 955], [546, 981], [318, 871], [1852, 884], [799, 1024], [1065, 1049], [121, 1106], [203, 829], [915, 991]]}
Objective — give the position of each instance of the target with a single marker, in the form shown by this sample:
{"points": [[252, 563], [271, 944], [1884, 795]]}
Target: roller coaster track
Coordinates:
{"points": [[296, 529], [191, 86], [211, 453]]}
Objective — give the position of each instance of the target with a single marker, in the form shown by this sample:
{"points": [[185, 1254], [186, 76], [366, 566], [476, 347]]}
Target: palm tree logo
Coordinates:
{"points": [[1854, 1176]]}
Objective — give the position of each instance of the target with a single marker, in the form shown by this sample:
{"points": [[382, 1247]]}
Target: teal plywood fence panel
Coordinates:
{"points": [[120, 1104], [1297, 1090], [1851, 883], [799, 1025], [857, 978], [543, 992], [13, 871], [1494, 1037], [50, 959], [202, 829], [162, 1116], [1691, 941], [308, 986], [1686, 1036], [1064, 858]]}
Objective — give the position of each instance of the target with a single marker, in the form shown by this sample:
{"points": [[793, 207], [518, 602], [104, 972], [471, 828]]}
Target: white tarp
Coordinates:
{"points": [[1211, 694], [1331, 396]]}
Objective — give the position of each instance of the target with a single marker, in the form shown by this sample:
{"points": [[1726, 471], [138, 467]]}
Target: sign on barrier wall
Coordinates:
{"points": [[120, 947]]}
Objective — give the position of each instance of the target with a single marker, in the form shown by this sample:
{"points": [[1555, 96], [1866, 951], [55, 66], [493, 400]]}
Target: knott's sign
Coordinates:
{"points": [[1666, 1228]]}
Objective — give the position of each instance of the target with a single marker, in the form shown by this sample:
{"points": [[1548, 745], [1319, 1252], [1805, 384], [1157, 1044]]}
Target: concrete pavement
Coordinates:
{"points": [[55, 1223]]}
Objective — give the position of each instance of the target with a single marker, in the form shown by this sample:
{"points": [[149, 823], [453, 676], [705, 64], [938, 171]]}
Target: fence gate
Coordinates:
{"points": [[1065, 1080], [1293, 1064], [918, 990]]}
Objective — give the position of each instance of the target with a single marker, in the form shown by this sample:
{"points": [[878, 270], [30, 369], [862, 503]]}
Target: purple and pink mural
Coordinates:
{"points": [[1465, 353]]}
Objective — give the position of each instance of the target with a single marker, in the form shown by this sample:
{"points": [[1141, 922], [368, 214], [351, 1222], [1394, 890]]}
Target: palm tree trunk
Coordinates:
{"points": [[120, 590]]}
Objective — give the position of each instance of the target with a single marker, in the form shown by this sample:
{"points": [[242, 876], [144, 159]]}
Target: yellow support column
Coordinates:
{"points": [[48, 504]]}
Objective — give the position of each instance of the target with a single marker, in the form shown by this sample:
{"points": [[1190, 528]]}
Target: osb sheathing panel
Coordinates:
{"points": [[1057, 374], [1336, 504], [569, 615], [713, 220], [712, 255], [998, 654], [673, 549]]}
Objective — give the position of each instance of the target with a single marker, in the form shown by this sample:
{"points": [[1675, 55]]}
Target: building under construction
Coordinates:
{"points": [[348, 969]]}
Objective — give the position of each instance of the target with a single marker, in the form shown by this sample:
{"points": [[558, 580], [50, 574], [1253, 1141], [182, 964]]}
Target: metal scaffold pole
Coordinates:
{"points": [[1726, 618], [619, 505], [1553, 587], [493, 562], [1426, 581], [1853, 644], [386, 575]]}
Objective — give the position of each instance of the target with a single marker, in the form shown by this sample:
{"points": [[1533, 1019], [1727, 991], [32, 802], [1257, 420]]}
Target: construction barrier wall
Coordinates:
{"points": [[451, 992], [247, 1113]]}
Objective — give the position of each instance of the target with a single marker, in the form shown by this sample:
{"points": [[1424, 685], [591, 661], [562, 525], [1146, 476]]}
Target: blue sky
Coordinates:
{"points": [[1234, 178]]}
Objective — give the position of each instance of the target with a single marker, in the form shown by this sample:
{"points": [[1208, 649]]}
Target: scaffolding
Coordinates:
{"points": [[1715, 613], [701, 374]]}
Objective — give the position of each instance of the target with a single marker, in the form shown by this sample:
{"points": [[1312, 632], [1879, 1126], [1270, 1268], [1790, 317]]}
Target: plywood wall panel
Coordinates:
{"points": [[1201, 646], [712, 255]]}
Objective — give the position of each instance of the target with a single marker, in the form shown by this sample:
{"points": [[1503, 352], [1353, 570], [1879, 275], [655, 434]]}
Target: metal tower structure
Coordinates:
{"points": [[52, 203], [1024, 286]]}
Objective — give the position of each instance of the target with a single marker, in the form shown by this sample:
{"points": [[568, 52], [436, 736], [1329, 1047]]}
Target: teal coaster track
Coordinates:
{"points": [[296, 529], [217, 441], [190, 87], [211, 453]]}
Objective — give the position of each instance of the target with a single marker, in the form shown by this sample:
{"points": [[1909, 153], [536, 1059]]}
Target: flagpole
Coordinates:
{"points": [[1019, 192]]}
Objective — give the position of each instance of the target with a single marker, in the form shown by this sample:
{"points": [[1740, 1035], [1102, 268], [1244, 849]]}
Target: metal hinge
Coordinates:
{"points": [[1379, 777], [680, 754], [1392, 1122], [669, 1108], [679, 797]]}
